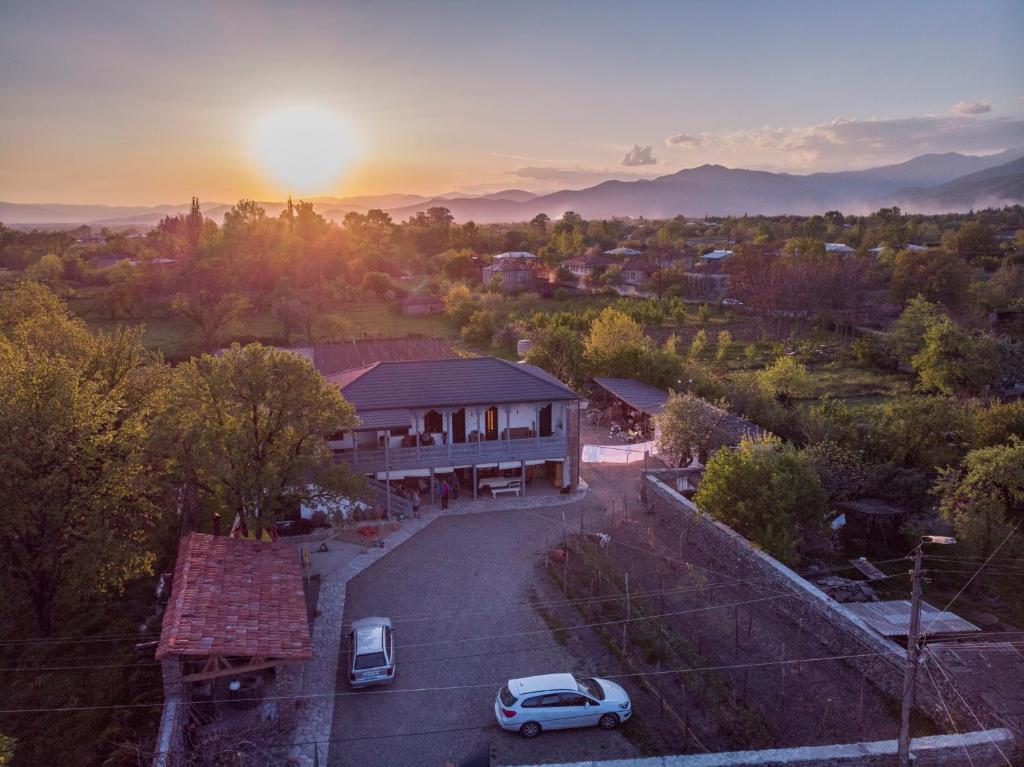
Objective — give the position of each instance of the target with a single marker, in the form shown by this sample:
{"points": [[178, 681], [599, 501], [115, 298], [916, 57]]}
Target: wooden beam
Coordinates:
{"points": [[217, 666]]}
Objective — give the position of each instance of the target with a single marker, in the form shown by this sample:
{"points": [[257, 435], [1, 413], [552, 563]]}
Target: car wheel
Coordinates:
{"points": [[608, 722], [530, 730]]}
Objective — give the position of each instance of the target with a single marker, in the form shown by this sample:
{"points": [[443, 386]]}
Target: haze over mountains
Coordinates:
{"points": [[930, 183]]}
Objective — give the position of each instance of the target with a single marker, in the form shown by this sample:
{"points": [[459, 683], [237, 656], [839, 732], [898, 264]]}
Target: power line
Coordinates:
{"points": [[952, 721]]}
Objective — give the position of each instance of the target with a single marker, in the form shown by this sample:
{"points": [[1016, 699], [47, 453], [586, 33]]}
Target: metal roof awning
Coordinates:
{"points": [[637, 394], [892, 619]]}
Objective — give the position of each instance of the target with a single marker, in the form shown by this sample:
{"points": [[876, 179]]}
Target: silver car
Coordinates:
{"points": [[559, 701], [371, 652]]}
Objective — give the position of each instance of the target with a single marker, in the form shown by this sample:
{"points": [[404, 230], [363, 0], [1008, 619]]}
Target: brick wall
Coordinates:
{"points": [[880, 660]]}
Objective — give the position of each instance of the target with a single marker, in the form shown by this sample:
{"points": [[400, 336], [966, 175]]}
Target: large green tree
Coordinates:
{"points": [[766, 490], [954, 361], [80, 498], [983, 498], [248, 430], [689, 428]]}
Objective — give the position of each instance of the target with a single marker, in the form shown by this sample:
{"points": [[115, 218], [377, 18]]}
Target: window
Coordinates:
{"points": [[572, 699], [370, 660], [507, 698], [532, 702], [492, 419], [433, 422], [590, 687]]}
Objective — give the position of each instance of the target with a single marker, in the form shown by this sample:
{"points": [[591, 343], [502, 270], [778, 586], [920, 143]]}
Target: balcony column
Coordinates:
{"points": [[479, 432], [448, 431], [387, 467], [536, 424], [508, 425], [522, 477], [416, 432], [474, 481]]}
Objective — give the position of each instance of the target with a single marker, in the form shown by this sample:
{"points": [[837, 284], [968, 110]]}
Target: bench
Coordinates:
{"points": [[507, 489]]}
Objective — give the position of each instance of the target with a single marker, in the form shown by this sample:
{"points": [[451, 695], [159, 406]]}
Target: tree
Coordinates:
{"points": [[377, 283], [938, 276], [786, 379], [688, 426], [983, 498], [459, 304], [699, 344], [559, 351], [722, 345], [907, 335], [248, 429], [480, 328], [6, 750], [953, 361], [48, 270], [974, 240], [768, 492], [81, 497], [615, 343], [210, 313], [292, 314]]}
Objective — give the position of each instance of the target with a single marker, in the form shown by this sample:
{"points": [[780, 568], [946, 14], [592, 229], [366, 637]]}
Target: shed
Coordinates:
{"points": [[236, 606]]}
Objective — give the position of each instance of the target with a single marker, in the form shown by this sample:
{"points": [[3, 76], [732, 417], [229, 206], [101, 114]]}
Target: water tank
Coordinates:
{"points": [[524, 346]]}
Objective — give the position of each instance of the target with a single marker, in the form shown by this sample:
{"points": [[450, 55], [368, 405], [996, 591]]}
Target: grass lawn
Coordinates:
{"points": [[172, 335]]}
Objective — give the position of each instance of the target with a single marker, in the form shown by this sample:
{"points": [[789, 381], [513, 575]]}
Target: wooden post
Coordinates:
{"points": [[387, 469], [416, 432], [628, 611], [474, 481], [522, 476], [431, 485]]}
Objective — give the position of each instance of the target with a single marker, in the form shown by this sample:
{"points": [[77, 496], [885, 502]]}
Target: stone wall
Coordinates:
{"points": [[986, 748], [845, 634]]}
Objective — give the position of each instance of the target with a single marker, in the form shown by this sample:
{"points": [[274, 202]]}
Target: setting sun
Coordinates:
{"points": [[304, 148]]}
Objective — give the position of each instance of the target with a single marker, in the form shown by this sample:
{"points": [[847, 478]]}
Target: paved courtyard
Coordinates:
{"points": [[459, 592]]}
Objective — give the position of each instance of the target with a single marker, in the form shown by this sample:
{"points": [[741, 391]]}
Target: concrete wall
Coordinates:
{"points": [[987, 748], [170, 739], [880, 660]]}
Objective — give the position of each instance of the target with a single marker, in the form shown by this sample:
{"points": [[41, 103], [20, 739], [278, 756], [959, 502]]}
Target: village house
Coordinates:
{"points": [[511, 275], [637, 271], [587, 267], [483, 418]]}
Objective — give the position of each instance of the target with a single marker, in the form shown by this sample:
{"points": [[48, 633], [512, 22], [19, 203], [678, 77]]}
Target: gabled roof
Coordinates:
{"points": [[335, 357], [442, 383], [510, 266], [622, 251], [513, 254], [235, 597], [716, 255]]}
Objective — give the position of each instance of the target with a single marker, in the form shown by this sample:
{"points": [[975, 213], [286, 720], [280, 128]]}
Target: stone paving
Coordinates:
{"points": [[316, 678]]}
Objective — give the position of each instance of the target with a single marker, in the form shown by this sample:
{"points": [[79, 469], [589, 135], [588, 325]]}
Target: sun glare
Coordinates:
{"points": [[304, 148]]}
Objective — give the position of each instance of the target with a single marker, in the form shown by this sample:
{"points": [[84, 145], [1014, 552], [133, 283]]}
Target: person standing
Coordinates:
{"points": [[445, 492], [415, 503], [455, 486]]}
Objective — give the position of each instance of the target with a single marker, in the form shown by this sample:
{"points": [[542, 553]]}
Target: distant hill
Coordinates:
{"points": [[992, 187], [930, 182]]}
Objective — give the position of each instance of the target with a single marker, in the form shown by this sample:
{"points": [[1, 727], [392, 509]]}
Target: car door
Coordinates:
{"points": [[575, 710]]}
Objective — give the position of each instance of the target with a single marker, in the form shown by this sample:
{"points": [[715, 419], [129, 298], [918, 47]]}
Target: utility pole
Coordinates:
{"points": [[910, 674], [913, 648]]}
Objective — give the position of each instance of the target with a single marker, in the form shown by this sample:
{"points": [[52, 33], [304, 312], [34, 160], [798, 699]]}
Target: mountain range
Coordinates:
{"points": [[930, 183]]}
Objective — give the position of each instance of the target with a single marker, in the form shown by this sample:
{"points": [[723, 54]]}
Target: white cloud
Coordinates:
{"points": [[683, 139], [979, 107], [851, 143], [639, 155]]}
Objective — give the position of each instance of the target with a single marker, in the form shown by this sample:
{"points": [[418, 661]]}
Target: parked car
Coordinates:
{"points": [[559, 701], [731, 302], [371, 652]]}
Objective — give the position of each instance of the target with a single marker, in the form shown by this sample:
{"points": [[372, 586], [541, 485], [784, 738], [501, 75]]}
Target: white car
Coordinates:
{"points": [[371, 651], [559, 701]]}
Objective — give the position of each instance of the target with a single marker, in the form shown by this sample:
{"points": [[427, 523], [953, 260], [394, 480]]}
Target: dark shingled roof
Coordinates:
{"points": [[232, 596], [439, 383], [637, 394], [333, 358]]}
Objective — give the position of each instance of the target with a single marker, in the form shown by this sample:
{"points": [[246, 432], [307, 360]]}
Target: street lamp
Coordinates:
{"points": [[910, 674]]}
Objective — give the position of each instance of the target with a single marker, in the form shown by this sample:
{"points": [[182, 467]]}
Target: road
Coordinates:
{"points": [[459, 593]]}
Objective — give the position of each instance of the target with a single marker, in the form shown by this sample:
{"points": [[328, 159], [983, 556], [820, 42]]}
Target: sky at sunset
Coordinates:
{"points": [[144, 103]]}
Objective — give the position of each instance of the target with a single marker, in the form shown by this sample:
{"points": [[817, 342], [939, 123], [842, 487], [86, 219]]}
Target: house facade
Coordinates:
{"points": [[512, 275], [477, 417]]}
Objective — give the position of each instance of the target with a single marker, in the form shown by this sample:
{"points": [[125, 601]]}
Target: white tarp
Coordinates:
{"points": [[617, 453]]}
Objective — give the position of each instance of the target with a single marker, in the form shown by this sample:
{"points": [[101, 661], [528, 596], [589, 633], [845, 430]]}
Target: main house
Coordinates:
{"points": [[479, 417]]}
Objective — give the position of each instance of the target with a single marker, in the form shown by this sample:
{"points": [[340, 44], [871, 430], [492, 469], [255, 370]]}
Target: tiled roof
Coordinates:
{"points": [[235, 597], [639, 265], [439, 383]]}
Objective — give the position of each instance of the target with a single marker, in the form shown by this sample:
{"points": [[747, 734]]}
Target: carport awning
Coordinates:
{"points": [[637, 394]]}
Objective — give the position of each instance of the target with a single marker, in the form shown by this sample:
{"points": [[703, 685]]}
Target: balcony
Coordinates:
{"points": [[366, 461]]}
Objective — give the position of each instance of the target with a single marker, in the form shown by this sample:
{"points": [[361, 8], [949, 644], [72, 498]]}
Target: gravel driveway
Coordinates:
{"points": [[453, 591]]}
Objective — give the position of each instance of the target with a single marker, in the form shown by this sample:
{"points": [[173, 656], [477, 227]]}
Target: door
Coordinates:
{"points": [[575, 712], [545, 421], [459, 425], [491, 424]]}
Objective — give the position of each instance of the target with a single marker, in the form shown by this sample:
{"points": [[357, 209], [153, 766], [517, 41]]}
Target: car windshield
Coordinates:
{"points": [[370, 660], [590, 687], [507, 698]]}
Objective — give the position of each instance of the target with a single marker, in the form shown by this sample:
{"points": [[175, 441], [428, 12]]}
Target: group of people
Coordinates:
{"points": [[446, 489]]}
